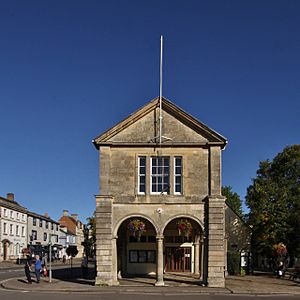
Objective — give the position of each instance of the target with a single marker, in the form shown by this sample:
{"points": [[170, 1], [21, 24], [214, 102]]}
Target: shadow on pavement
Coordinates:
{"points": [[75, 275]]}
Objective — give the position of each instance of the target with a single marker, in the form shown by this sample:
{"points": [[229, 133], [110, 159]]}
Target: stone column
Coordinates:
{"points": [[160, 262], [106, 245], [201, 258], [215, 222], [197, 256], [114, 262], [216, 249]]}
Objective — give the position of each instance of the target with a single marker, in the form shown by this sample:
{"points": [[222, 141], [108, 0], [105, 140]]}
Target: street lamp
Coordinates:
{"points": [[50, 263]]}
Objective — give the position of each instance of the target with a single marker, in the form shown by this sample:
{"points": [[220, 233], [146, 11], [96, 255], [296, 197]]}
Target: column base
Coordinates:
{"points": [[159, 283], [216, 282], [106, 282]]}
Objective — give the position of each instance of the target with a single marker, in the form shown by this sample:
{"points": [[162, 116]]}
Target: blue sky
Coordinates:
{"points": [[69, 70]]}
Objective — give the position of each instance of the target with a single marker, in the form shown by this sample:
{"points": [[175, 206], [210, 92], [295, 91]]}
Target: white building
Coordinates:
{"points": [[42, 232], [13, 228]]}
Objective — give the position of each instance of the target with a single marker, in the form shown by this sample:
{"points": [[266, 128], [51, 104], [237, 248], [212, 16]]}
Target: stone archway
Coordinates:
{"points": [[183, 246], [136, 249]]}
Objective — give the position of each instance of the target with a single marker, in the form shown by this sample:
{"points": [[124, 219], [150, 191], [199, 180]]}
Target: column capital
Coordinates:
{"points": [[159, 237]]}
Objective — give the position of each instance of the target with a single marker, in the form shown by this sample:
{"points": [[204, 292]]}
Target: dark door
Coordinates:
{"points": [[178, 259], [5, 250]]}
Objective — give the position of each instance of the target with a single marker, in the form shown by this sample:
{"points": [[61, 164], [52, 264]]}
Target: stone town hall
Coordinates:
{"points": [[160, 207]]}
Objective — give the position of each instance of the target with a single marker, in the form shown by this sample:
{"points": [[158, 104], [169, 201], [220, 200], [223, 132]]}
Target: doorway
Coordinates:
{"points": [[178, 259], [5, 250]]}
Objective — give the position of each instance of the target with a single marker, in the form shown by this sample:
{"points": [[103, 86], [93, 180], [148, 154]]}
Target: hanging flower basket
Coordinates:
{"points": [[184, 227], [280, 249], [136, 228]]}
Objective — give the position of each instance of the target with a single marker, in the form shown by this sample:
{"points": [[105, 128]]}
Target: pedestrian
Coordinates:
{"points": [[27, 270], [84, 266], [280, 270], [37, 268], [44, 260]]}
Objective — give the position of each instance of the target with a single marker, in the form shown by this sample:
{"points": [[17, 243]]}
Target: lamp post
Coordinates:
{"points": [[50, 260]]}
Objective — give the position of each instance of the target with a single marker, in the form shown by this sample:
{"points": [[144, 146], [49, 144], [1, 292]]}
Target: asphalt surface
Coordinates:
{"points": [[66, 280]]}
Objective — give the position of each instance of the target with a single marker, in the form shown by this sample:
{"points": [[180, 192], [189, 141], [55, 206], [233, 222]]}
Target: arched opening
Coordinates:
{"points": [[6, 243], [136, 247], [183, 246]]}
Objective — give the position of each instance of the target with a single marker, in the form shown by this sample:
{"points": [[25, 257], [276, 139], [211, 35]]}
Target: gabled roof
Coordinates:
{"points": [[212, 136], [69, 223], [12, 204]]}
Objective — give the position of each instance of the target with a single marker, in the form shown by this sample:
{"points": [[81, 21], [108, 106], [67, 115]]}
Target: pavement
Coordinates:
{"points": [[71, 281]]}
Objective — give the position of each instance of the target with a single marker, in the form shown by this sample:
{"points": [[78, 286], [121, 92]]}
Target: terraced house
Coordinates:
{"points": [[43, 231], [13, 228], [160, 207]]}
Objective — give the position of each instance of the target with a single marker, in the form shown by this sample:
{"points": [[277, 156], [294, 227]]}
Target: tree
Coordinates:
{"points": [[233, 200], [89, 232], [72, 251], [274, 203]]}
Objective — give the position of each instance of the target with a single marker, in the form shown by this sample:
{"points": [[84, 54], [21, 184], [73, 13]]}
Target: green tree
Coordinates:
{"points": [[233, 200], [89, 232], [274, 203]]}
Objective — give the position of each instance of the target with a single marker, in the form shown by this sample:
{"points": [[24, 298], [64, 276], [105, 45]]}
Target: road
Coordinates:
{"points": [[10, 273], [114, 295], [130, 293]]}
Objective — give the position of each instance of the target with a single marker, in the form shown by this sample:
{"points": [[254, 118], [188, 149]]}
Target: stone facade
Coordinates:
{"points": [[160, 184], [13, 228]]}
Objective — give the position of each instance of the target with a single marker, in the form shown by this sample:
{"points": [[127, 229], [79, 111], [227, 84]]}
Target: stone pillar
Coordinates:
{"points": [[115, 261], [197, 256], [215, 222], [160, 262], [201, 258], [216, 249], [106, 250]]}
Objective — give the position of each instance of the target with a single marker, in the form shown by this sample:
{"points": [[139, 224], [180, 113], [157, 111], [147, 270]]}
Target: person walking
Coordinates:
{"points": [[27, 270], [37, 268]]}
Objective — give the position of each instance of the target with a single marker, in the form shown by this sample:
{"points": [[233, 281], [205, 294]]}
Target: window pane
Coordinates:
{"points": [[142, 256], [154, 188], [142, 189], [178, 188], [178, 170], [142, 161]]}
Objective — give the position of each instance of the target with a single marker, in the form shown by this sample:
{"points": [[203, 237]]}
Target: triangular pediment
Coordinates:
{"points": [[142, 127]]}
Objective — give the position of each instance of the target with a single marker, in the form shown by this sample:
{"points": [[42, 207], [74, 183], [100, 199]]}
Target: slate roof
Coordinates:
{"points": [[12, 204]]}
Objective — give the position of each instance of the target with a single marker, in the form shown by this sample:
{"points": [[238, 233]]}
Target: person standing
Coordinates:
{"points": [[84, 266], [37, 268], [27, 270]]}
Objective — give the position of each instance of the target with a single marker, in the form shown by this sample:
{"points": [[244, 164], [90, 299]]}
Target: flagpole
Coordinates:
{"points": [[160, 89]]}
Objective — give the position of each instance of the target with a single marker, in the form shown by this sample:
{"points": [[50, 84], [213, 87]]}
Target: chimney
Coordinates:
{"points": [[74, 216], [46, 215], [65, 212], [10, 196]]}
